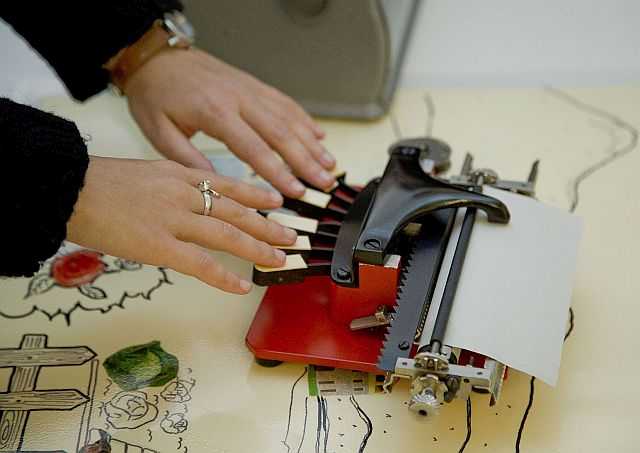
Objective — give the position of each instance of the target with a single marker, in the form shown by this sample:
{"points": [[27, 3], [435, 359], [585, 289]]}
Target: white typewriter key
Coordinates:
{"points": [[302, 243], [316, 198], [295, 222], [293, 262], [337, 173]]}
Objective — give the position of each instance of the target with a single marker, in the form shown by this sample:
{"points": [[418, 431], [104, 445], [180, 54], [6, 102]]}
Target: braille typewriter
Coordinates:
{"points": [[371, 281]]}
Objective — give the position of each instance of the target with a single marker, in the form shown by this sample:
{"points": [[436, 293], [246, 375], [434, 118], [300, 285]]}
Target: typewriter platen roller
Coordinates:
{"points": [[367, 286]]}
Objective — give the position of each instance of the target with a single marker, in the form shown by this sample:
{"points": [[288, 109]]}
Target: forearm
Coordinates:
{"points": [[78, 37], [44, 160]]}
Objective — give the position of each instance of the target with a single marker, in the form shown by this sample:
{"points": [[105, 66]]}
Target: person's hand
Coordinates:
{"points": [[151, 212], [180, 92]]}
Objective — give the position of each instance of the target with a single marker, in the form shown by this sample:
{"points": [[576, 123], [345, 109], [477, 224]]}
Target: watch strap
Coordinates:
{"points": [[131, 58]]}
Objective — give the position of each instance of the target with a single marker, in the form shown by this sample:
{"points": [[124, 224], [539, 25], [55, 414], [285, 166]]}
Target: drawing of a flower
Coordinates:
{"points": [[174, 423], [77, 268], [77, 279], [178, 391], [130, 410]]}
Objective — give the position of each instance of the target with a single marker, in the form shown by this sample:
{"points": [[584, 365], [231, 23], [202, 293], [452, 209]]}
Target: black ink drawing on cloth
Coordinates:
{"points": [[323, 420], [101, 441], [26, 392], [23, 395], [77, 279], [130, 410], [178, 391], [611, 155], [147, 366], [175, 423]]}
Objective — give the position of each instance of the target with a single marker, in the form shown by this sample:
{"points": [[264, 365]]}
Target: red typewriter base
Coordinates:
{"points": [[294, 324], [308, 322]]}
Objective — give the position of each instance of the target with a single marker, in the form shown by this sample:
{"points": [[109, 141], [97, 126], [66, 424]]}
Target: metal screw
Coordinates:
{"points": [[487, 175], [343, 273], [404, 345], [408, 151], [372, 244]]}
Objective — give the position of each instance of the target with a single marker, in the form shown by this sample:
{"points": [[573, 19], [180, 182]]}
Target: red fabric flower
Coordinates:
{"points": [[77, 268]]}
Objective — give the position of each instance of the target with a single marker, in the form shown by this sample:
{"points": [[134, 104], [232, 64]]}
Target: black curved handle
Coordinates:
{"points": [[406, 193], [344, 270]]}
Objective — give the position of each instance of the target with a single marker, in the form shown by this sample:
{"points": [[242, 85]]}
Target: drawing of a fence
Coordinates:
{"points": [[119, 446], [23, 397]]}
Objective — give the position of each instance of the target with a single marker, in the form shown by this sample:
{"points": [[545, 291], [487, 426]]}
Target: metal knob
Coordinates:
{"points": [[424, 403], [427, 394]]}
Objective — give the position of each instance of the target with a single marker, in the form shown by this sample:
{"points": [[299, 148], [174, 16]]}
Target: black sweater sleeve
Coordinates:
{"points": [[44, 160], [77, 37]]}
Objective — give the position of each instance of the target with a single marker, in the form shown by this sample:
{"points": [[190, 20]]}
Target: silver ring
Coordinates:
{"points": [[204, 185], [208, 203], [207, 194]]}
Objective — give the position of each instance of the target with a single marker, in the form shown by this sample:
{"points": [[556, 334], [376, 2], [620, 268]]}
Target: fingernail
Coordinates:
{"points": [[245, 285], [280, 255], [290, 234], [276, 198], [326, 178], [328, 159], [297, 186]]}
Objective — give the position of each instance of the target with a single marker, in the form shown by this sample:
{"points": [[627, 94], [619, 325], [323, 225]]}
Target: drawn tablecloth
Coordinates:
{"points": [[221, 401]]}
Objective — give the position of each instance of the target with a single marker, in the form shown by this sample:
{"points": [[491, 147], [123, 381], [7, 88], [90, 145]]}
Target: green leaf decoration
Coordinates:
{"points": [[140, 366], [127, 265], [92, 292], [40, 284]]}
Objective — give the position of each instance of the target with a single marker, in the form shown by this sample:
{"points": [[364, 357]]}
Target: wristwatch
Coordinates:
{"points": [[173, 31]]}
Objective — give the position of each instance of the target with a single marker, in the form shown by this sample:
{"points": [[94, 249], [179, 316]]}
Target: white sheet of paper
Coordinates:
{"points": [[515, 288]]}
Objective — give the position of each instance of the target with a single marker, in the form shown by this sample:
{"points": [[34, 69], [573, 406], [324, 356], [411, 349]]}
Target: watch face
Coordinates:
{"points": [[180, 27]]}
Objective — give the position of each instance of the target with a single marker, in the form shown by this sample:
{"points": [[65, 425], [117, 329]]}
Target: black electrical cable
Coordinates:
{"points": [[293, 387], [468, 436], [616, 154]]}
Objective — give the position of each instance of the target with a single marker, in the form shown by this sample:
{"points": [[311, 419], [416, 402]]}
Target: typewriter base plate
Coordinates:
{"points": [[293, 324]]}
